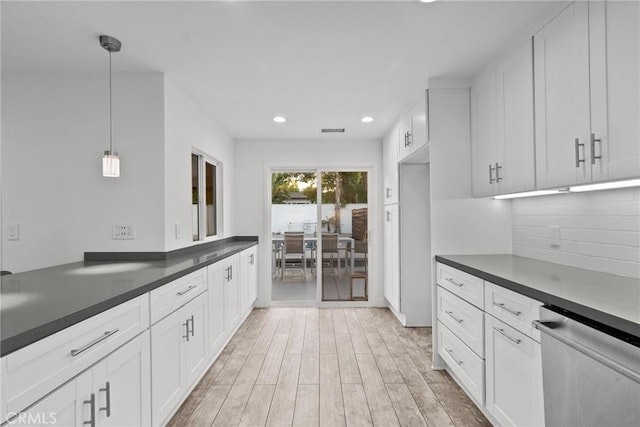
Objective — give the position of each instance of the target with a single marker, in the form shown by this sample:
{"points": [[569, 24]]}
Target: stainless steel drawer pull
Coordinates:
{"points": [[459, 362], [190, 288], [92, 402], [107, 390], [454, 282], [450, 313], [77, 351], [507, 309], [623, 370], [503, 333]]}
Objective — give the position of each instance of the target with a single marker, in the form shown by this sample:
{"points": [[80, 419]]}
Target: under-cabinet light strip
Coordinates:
{"points": [[575, 189]]}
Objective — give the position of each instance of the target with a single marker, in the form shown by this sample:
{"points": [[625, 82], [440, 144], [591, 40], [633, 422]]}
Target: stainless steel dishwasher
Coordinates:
{"points": [[591, 375]]}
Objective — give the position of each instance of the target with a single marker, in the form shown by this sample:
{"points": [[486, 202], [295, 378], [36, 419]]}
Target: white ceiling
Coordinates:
{"points": [[320, 64]]}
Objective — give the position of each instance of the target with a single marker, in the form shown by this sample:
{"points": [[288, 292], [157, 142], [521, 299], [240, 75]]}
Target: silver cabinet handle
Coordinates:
{"points": [[507, 309], [107, 390], [593, 148], [92, 402], [450, 313], [388, 216], [578, 145], [190, 288], [409, 138], [491, 179], [623, 370], [459, 362], [450, 280], [228, 278], [186, 325], [231, 272], [406, 139], [504, 334], [192, 325], [388, 192], [251, 259], [77, 351], [498, 177]]}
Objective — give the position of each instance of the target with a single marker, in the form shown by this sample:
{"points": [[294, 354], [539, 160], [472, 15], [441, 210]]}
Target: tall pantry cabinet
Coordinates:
{"points": [[406, 217]]}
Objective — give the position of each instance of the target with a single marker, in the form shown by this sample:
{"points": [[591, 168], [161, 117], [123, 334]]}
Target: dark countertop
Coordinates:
{"points": [[611, 300], [38, 303]]}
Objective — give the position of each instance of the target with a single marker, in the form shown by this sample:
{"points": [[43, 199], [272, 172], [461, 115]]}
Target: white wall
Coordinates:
{"points": [[599, 230], [55, 130], [253, 159], [187, 127]]}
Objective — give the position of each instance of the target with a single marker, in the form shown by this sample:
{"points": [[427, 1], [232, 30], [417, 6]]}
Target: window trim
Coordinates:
{"points": [[219, 199]]}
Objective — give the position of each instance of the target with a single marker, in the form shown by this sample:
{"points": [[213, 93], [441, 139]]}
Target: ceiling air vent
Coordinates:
{"points": [[332, 130]]}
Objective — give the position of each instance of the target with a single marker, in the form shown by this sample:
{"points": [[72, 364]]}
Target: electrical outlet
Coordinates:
{"points": [[123, 232], [554, 232], [13, 232]]}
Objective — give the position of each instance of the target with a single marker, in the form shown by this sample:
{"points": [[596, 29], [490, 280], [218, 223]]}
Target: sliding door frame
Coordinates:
{"points": [[374, 226]]}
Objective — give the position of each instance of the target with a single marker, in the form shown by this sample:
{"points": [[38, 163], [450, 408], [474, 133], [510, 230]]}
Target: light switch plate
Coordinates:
{"points": [[554, 232], [13, 232]]}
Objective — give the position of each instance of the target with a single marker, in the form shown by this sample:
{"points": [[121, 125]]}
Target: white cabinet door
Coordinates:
{"points": [[392, 256], [248, 278], [516, 166], [63, 407], [231, 292], [615, 89], [513, 376], [122, 385], [561, 73], [484, 133], [216, 280], [167, 373], [404, 136], [390, 166], [195, 346], [419, 123]]}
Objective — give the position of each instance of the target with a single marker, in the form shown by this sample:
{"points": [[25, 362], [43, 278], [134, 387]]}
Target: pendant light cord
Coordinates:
{"points": [[110, 112]]}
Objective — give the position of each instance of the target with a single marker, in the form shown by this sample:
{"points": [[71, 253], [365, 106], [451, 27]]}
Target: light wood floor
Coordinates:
{"points": [[328, 367]]}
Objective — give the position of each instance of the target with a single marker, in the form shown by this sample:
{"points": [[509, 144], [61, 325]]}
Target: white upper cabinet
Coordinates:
{"points": [[587, 98], [390, 167], [414, 128], [615, 89], [502, 126]]}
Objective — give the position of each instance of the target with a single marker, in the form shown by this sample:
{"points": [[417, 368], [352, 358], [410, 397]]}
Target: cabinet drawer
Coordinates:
{"points": [[168, 298], [466, 286], [514, 309], [465, 364], [33, 371], [463, 319]]}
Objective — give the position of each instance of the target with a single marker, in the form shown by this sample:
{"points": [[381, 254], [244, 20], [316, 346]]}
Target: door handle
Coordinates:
{"points": [[593, 148], [491, 179], [578, 145], [107, 390], [498, 177], [92, 402], [186, 325]]}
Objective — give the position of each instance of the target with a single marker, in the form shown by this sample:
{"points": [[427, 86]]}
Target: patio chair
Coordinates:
{"points": [[294, 253], [331, 252]]}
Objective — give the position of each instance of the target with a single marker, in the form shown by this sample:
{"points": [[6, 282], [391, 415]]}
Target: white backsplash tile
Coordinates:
{"points": [[599, 230]]}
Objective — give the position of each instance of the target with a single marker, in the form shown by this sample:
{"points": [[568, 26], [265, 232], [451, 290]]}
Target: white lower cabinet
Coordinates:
{"points": [[513, 376], [179, 355], [248, 278], [114, 392], [486, 339], [392, 256]]}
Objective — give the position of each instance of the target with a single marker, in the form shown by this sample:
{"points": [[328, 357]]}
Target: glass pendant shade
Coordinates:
{"points": [[111, 164]]}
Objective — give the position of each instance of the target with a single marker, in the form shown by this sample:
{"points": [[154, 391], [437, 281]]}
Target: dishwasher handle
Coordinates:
{"points": [[546, 328]]}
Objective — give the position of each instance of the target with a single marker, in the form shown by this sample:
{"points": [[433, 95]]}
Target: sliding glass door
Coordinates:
{"points": [[319, 236]]}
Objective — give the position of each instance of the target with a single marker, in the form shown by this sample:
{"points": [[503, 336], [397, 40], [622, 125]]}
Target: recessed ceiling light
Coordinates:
{"points": [[366, 119], [279, 119]]}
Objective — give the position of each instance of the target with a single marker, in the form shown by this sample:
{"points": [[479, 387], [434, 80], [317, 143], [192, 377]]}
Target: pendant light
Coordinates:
{"points": [[110, 161]]}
